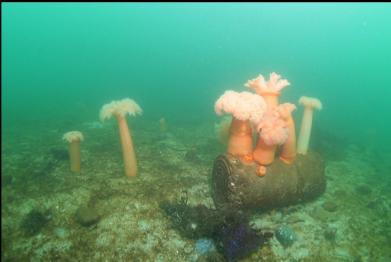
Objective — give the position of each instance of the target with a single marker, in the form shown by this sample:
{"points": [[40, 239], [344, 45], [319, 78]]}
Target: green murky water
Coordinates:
{"points": [[61, 62]]}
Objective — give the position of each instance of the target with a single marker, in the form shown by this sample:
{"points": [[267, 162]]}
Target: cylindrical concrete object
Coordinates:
{"points": [[238, 185]]}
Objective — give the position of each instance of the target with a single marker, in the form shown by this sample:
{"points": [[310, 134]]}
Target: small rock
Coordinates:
{"points": [[87, 216], [330, 206], [204, 246], [285, 235]]}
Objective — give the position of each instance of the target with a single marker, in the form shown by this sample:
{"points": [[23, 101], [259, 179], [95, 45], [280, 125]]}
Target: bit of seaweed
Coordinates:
{"points": [[46, 166], [235, 238], [191, 222], [59, 153], [192, 156], [35, 221], [238, 240], [230, 229]]}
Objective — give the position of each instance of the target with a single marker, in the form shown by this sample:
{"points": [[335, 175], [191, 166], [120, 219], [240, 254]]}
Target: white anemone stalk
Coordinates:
{"points": [[309, 104]]}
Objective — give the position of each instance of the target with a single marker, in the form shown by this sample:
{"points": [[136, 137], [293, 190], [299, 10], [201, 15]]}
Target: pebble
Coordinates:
{"points": [[330, 206], [285, 235], [87, 216]]}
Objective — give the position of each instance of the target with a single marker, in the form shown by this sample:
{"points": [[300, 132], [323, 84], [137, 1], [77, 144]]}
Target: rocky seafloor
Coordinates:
{"points": [[51, 214]]}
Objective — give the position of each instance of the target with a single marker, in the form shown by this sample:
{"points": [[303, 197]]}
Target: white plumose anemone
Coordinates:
{"points": [[120, 109], [243, 106], [274, 84], [309, 104], [270, 90], [74, 138]]}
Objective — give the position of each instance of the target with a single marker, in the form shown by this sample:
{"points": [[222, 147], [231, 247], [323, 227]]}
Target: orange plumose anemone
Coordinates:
{"points": [[119, 109], [273, 131], [288, 152], [270, 90], [245, 108]]}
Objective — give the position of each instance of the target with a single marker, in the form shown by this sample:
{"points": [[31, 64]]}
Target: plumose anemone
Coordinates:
{"points": [[74, 138], [309, 104], [288, 153], [163, 125], [269, 90], [120, 109], [244, 107], [272, 132]]}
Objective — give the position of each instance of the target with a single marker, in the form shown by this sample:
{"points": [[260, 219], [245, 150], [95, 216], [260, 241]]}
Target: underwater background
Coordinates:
{"points": [[62, 61]]}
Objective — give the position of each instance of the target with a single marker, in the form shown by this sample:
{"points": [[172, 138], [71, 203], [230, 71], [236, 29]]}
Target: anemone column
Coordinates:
{"points": [[74, 138], [128, 154], [309, 104], [120, 109], [272, 132], [244, 108], [240, 142], [288, 152]]}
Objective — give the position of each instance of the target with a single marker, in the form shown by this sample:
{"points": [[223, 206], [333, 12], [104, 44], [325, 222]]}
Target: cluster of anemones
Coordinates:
{"points": [[272, 121], [119, 109]]}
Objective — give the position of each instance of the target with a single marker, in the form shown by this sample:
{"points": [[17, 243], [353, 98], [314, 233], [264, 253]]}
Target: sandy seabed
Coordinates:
{"points": [[351, 221]]}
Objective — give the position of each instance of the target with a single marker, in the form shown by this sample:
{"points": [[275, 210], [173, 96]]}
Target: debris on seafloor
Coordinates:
{"points": [[87, 216], [35, 221], [230, 229], [285, 235]]}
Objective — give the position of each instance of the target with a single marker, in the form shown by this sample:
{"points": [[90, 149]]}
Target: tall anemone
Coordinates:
{"points": [[245, 108], [119, 109], [74, 138]]}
